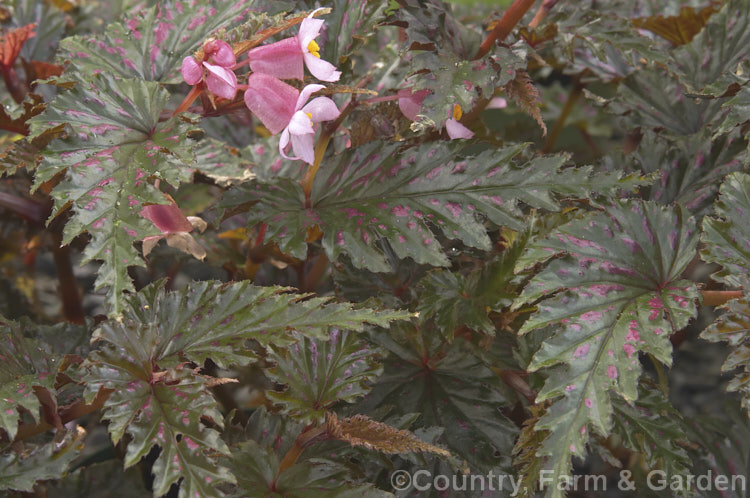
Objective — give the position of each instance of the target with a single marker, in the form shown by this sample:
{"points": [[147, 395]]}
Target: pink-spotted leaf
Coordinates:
{"points": [[733, 327], [440, 60], [151, 43], [451, 387], [725, 237], [453, 299], [615, 291], [377, 192], [689, 169], [257, 456], [173, 409], [27, 366], [653, 427], [257, 469], [319, 374], [157, 400], [20, 472], [709, 62], [115, 142]]}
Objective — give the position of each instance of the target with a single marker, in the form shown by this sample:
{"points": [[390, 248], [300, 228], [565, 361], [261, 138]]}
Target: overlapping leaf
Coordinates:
{"points": [[158, 401], [320, 373], [604, 43], [259, 475], [441, 53], [652, 97], [377, 193], [615, 292], [352, 21], [724, 439], [455, 390], [105, 479], [725, 237], [152, 43], [689, 169], [709, 61], [222, 164], [47, 461], [26, 366], [679, 29], [654, 428], [213, 320], [257, 463], [116, 141], [455, 300], [734, 327]]}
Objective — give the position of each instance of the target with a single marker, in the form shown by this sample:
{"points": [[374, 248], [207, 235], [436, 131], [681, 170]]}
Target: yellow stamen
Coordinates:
{"points": [[309, 115], [313, 48], [457, 112]]}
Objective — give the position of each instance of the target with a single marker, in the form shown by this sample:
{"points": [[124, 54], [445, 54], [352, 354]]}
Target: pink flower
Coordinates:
{"points": [[220, 78], [410, 102], [175, 228], [286, 59], [282, 108], [456, 129]]}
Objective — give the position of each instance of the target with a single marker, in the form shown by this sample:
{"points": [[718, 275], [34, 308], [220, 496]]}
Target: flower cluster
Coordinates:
{"points": [[281, 107]]}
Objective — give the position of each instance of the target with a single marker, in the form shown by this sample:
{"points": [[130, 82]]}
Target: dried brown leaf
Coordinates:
{"points": [[360, 430]]}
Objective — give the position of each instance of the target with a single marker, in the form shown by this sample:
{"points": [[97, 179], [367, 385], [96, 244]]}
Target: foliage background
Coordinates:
{"points": [[618, 231]]}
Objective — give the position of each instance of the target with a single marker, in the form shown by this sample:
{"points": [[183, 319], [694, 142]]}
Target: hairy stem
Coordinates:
{"points": [[575, 92], [308, 436], [69, 292], [16, 90], [542, 12], [717, 298], [189, 99], [322, 145], [505, 25], [72, 412]]}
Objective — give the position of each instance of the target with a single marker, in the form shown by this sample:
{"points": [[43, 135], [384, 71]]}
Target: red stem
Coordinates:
{"points": [[12, 84], [717, 298], [505, 25], [189, 99]]}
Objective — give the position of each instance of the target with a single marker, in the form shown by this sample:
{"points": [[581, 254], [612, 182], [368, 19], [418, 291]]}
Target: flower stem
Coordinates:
{"points": [[321, 146], [542, 12], [189, 99], [376, 100], [16, 90], [717, 298], [66, 414], [575, 91], [505, 25]]}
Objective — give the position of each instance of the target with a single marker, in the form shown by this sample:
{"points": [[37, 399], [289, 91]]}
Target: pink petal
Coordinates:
{"points": [[150, 242], [323, 70], [167, 217], [303, 147], [497, 103], [308, 30], [410, 102], [321, 109], [300, 124], [192, 72], [220, 53], [271, 100], [282, 59], [305, 94], [283, 142], [186, 243], [457, 130], [221, 81]]}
